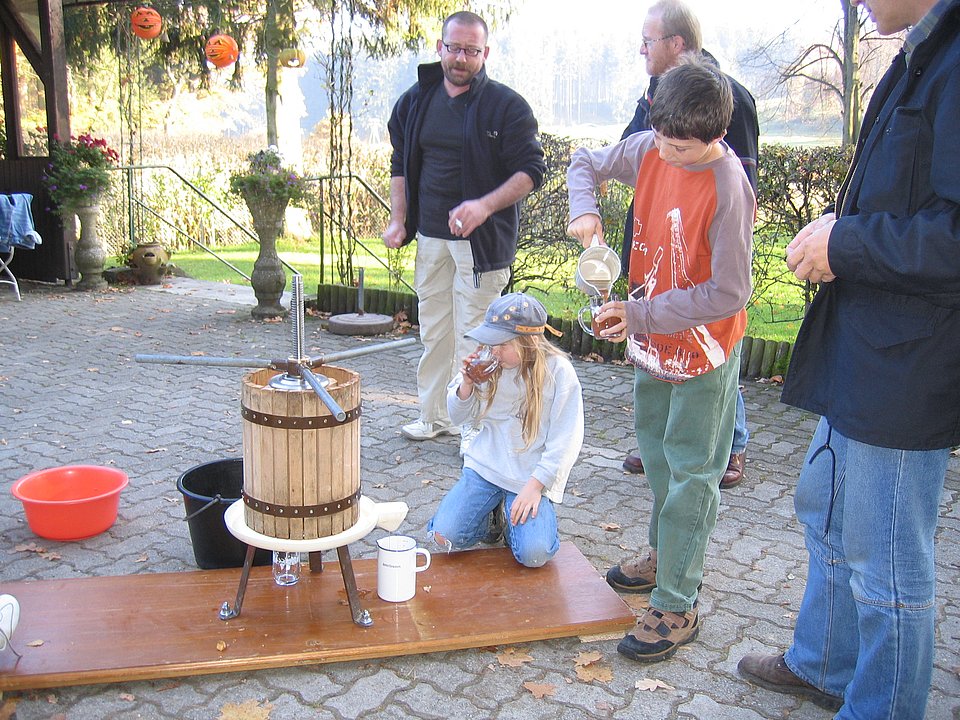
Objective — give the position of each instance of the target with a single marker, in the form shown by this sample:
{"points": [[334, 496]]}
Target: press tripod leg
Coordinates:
{"points": [[360, 616], [226, 612]]}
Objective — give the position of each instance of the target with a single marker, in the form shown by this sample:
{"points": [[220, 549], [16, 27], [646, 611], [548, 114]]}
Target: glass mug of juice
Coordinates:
{"points": [[482, 365], [593, 327]]}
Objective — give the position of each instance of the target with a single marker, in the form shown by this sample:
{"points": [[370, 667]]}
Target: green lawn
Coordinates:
{"points": [[773, 318]]}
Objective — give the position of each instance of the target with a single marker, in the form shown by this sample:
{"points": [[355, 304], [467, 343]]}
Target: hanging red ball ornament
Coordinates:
{"points": [[146, 23], [222, 50]]}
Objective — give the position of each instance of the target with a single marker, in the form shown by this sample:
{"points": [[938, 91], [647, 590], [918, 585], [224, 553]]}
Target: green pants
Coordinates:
{"points": [[684, 433]]}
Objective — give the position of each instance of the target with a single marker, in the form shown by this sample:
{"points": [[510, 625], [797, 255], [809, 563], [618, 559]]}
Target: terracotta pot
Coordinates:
{"points": [[148, 261]]}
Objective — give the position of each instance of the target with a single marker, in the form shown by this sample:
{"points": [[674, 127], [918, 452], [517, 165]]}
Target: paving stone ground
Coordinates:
{"points": [[70, 392]]}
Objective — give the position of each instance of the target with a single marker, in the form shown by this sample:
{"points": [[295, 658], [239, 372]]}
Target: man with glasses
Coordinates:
{"points": [[671, 30], [465, 153]]}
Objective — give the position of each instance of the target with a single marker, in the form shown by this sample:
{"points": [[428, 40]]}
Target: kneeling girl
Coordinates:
{"points": [[529, 413]]}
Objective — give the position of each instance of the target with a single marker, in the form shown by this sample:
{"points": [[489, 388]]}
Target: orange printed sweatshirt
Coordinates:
{"points": [[690, 257]]}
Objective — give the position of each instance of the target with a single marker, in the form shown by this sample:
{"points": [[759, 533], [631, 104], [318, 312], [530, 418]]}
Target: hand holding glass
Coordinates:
{"points": [[481, 364], [596, 328]]}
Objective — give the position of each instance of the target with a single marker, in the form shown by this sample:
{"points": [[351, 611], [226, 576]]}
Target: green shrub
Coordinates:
{"points": [[796, 185]]}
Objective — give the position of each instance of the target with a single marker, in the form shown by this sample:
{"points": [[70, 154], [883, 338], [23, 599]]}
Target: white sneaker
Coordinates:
{"points": [[421, 430], [467, 434]]}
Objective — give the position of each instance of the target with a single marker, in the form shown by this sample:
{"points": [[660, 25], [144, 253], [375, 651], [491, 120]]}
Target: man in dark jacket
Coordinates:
{"points": [[878, 358], [670, 31], [465, 153]]}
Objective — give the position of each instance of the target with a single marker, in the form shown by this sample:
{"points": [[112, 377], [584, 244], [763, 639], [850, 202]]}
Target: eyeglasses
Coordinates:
{"points": [[648, 43], [456, 50]]}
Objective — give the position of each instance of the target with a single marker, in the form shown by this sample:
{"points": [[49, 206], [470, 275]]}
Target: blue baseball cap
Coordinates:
{"points": [[508, 317]]}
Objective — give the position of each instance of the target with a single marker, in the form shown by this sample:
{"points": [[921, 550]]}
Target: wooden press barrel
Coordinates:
{"points": [[301, 468]]}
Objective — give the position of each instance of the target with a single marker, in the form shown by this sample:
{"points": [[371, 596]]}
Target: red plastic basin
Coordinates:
{"points": [[72, 502]]}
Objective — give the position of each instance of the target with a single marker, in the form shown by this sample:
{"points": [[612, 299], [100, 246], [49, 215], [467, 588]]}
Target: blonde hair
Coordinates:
{"points": [[533, 373]]}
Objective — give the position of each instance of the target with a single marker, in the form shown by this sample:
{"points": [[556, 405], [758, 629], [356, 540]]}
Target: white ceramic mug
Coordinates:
{"points": [[397, 567], [9, 617]]}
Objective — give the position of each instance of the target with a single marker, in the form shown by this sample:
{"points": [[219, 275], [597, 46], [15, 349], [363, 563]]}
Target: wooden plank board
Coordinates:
{"points": [[160, 625]]}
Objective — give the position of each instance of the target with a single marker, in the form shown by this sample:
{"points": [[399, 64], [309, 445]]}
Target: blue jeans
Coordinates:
{"points": [[865, 630], [740, 433], [462, 517]]}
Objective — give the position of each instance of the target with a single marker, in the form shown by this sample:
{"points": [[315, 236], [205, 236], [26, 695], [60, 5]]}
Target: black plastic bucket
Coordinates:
{"points": [[207, 491]]}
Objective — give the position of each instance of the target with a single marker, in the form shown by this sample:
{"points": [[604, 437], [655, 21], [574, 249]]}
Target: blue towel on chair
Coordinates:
{"points": [[16, 222]]}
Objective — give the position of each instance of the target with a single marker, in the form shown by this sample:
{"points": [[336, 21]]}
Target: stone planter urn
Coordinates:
{"points": [[148, 263], [89, 253], [268, 278]]}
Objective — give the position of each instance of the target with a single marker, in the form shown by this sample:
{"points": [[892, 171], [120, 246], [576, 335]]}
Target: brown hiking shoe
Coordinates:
{"points": [[635, 576], [659, 633], [772, 673]]}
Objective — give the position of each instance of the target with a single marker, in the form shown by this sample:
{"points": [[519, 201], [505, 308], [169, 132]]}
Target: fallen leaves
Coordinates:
{"points": [[540, 690], [652, 684], [588, 666], [250, 710], [636, 602], [29, 547], [8, 709], [609, 526], [38, 549], [590, 669], [587, 658], [511, 657]]}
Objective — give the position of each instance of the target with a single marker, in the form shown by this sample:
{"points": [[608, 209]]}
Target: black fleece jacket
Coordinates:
{"points": [[499, 140]]}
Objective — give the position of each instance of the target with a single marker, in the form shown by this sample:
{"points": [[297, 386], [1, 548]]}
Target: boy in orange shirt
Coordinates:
{"points": [[689, 282]]}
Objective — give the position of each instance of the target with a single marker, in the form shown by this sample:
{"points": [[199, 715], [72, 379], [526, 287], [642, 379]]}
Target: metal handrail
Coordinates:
{"points": [[134, 201], [383, 203], [192, 239], [209, 200]]}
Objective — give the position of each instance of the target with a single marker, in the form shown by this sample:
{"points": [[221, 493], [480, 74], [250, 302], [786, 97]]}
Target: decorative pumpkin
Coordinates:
{"points": [[222, 50], [146, 23], [292, 58]]}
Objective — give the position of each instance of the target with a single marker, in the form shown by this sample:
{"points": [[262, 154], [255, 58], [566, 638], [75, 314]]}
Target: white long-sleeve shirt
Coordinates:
{"points": [[497, 454]]}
